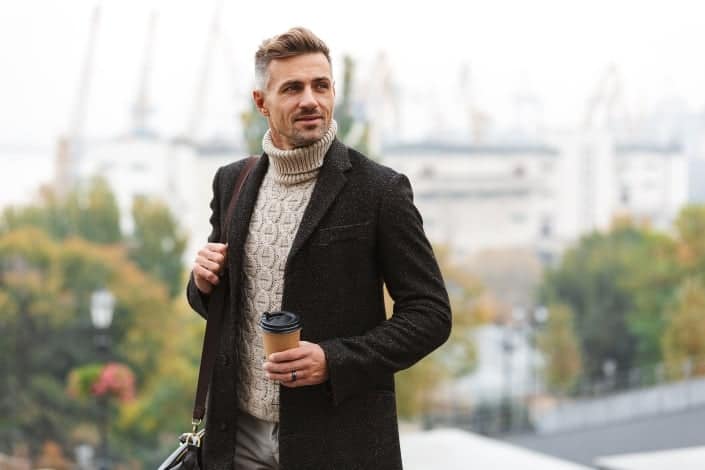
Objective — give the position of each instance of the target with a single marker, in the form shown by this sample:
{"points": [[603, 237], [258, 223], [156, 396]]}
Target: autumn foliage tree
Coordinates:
{"points": [[89, 212], [53, 256], [684, 338], [45, 289], [617, 285], [157, 243], [635, 294], [560, 347]]}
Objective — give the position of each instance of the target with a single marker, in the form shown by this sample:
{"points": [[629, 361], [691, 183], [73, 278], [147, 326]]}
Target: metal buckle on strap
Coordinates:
{"points": [[195, 437], [195, 423], [192, 438]]}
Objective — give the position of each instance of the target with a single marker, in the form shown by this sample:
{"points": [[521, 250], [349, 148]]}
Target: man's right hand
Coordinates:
{"points": [[209, 263]]}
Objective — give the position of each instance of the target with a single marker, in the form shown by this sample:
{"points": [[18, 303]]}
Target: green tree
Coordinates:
{"points": [[48, 271], [343, 111], [45, 289], [684, 338], [618, 285], [651, 278], [175, 378], [95, 212], [157, 244], [559, 345], [690, 239], [90, 211], [254, 125], [352, 130], [590, 281]]}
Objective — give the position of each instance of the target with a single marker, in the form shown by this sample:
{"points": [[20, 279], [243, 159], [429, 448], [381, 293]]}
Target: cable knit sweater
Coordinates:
{"points": [[282, 199]]}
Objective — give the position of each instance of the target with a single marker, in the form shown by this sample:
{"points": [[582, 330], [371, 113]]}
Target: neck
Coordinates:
{"points": [[291, 166]]}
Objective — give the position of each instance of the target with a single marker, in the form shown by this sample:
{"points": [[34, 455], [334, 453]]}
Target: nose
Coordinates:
{"points": [[308, 99]]}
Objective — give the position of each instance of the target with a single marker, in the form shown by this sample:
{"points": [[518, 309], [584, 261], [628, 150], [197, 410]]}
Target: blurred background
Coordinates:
{"points": [[557, 153]]}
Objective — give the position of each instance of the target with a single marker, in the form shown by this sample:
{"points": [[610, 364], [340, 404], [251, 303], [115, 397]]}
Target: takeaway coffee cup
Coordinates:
{"points": [[280, 331]]}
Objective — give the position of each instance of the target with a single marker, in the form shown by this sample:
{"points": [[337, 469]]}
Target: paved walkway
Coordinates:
{"points": [[453, 449]]}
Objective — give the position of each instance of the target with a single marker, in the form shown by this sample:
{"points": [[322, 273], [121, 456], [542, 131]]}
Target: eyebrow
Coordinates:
{"points": [[299, 82]]}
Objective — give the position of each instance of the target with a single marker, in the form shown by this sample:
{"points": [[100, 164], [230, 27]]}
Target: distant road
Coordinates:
{"points": [[662, 432]]}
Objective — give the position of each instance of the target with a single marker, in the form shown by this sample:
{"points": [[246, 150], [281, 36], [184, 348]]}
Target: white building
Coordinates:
{"points": [[652, 182], [474, 198], [541, 197]]}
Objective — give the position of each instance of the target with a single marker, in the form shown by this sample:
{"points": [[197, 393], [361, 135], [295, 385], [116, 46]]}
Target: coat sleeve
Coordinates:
{"points": [[421, 320], [197, 299]]}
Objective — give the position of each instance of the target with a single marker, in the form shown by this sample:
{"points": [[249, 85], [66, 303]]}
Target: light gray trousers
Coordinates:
{"points": [[257, 445]]}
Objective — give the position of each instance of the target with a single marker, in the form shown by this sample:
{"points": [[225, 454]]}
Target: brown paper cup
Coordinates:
{"points": [[277, 342], [280, 331]]}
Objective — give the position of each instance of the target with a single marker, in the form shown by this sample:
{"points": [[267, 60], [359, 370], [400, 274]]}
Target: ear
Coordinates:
{"points": [[258, 97]]}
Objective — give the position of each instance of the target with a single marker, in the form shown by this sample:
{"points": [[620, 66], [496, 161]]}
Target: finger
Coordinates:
{"points": [[211, 255], [285, 379], [205, 274], [211, 266], [286, 367], [289, 355], [215, 256], [217, 247], [296, 384], [303, 379]]}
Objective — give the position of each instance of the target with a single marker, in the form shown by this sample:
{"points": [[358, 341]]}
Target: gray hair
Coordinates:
{"points": [[296, 41]]}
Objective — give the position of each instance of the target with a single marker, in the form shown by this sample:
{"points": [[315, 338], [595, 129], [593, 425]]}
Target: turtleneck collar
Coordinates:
{"points": [[300, 164]]}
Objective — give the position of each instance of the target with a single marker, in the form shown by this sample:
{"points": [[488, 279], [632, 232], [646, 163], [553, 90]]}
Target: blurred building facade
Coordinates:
{"points": [[178, 172], [540, 196]]}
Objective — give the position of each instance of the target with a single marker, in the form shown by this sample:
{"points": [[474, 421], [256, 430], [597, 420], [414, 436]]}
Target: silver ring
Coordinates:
{"points": [[293, 376]]}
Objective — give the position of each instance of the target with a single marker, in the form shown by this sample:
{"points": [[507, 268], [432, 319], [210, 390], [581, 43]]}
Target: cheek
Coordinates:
{"points": [[287, 111]]}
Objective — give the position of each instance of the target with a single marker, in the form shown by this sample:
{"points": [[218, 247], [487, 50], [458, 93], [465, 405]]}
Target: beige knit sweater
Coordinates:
{"points": [[282, 199]]}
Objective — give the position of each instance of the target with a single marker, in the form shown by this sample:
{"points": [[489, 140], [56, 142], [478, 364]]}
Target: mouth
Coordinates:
{"points": [[309, 119]]}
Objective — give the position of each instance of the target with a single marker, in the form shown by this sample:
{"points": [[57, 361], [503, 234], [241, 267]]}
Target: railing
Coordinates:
{"points": [[640, 392], [622, 406]]}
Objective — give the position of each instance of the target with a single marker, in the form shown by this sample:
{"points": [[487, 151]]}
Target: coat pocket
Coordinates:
{"points": [[330, 235]]}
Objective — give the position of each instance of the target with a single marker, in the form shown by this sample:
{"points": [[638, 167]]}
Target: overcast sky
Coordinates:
{"points": [[557, 49]]}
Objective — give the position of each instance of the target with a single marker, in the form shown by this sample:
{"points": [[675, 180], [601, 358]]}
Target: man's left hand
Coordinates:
{"points": [[307, 363]]}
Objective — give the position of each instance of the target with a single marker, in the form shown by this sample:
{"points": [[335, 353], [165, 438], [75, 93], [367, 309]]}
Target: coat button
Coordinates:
{"points": [[223, 427]]}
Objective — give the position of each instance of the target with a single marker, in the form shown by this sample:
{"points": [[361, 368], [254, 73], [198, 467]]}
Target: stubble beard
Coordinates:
{"points": [[304, 139]]}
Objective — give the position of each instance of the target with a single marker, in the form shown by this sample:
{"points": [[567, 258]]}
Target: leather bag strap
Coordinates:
{"points": [[216, 308]]}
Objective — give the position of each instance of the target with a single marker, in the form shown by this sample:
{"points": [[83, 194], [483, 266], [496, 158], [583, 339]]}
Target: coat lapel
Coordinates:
{"points": [[331, 180]]}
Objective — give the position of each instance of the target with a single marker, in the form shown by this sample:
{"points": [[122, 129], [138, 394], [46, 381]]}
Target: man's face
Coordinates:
{"points": [[297, 99]]}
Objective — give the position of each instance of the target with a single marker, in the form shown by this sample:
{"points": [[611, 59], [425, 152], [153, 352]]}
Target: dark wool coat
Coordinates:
{"points": [[359, 230]]}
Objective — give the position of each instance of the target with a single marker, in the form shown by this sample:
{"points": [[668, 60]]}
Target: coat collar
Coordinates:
{"points": [[330, 182]]}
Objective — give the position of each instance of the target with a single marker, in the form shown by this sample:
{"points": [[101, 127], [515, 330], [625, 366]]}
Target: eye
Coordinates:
{"points": [[291, 88]]}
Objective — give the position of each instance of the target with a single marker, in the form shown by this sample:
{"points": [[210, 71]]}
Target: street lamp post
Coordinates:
{"points": [[523, 327], [102, 307], [507, 350], [538, 318]]}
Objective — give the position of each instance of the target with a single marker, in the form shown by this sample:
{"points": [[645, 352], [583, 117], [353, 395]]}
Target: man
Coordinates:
{"points": [[317, 231]]}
